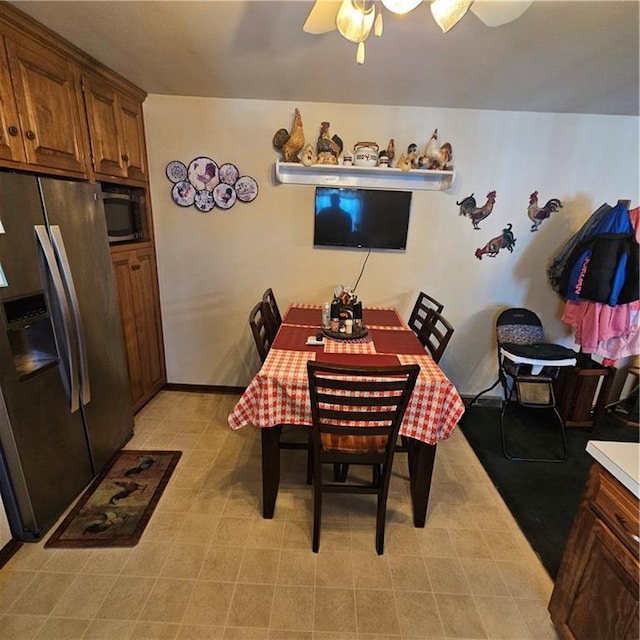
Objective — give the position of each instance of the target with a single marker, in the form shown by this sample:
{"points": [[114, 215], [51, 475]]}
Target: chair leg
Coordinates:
{"points": [[340, 472], [317, 509], [381, 515]]}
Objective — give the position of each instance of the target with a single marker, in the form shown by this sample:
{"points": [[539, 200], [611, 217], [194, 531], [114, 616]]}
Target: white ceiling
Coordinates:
{"points": [[570, 57]]}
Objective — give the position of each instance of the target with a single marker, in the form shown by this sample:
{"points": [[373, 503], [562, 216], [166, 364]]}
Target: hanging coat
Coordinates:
{"points": [[603, 266]]}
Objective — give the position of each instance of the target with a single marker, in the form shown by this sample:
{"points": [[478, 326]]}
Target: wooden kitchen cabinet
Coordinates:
{"points": [[11, 147], [135, 272], [57, 105], [596, 590], [41, 107], [116, 129]]}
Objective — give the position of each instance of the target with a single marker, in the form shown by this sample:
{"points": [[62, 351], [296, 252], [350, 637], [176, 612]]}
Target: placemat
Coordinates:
{"points": [[293, 338], [359, 359], [381, 318], [309, 316], [395, 341]]}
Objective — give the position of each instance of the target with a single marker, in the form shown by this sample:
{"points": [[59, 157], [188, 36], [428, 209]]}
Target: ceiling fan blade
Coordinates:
{"points": [[322, 17], [494, 14]]}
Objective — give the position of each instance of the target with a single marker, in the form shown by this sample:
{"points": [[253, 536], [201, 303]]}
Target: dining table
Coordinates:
{"points": [[278, 395]]}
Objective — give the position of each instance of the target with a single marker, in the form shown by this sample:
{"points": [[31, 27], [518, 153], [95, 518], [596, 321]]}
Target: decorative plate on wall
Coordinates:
{"points": [[176, 171], [246, 189], [204, 201], [228, 173], [224, 196], [183, 193], [203, 173]]}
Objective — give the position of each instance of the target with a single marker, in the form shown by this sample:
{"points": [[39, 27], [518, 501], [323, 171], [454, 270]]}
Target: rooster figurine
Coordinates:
{"points": [[537, 214], [290, 143], [391, 150], [436, 156], [476, 214], [328, 147]]}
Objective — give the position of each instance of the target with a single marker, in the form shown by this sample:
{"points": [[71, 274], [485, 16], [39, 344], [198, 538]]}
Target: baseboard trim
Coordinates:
{"points": [[8, 551], [203, 388]]}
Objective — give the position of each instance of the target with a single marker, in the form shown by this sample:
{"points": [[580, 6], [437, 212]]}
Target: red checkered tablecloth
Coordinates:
{"points": [[279, 392]]}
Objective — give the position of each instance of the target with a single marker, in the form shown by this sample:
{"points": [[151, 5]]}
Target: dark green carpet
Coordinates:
{"points": [[542, 496]]}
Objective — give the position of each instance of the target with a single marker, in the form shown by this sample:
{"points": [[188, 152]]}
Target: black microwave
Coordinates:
{"points": [[124, 220]]}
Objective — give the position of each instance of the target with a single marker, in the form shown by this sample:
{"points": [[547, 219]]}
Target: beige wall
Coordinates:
{"points": [[213, 267]]}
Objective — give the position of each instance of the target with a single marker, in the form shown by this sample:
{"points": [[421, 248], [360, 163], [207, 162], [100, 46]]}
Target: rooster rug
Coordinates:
{"points": [[116, 507]]}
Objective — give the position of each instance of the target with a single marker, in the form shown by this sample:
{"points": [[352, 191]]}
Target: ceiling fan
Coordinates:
{"points": [[354, 19]]}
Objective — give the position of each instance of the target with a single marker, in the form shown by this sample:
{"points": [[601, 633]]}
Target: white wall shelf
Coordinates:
{"points": [[380, 177]]}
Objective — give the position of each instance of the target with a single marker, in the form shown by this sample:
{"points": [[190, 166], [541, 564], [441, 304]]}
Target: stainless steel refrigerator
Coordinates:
{"points": [[65, 405]]}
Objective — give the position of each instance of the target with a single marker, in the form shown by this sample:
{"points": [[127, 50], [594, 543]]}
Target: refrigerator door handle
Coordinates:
{"points": [[63, 260], [58, 286]]}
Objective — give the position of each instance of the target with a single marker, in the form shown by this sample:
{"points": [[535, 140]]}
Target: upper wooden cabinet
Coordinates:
{"points": [[41, 107], [11, 147], [116, 130]]}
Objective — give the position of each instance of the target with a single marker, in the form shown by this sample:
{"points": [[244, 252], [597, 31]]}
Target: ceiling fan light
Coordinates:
{"points": [[354, 19], [401, 6], [447, 13], [378, 28], [360, 53]]}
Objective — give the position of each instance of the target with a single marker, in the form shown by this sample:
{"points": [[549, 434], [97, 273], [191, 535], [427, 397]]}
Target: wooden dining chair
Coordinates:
{"points": [[435, 333], [424, 303], [260, 329], [272, 312], [356, 415]]}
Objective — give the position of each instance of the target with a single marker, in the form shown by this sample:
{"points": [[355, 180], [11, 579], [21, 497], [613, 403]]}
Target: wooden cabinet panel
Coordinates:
{"points": [[135, 272], [134, 140], [11, 147], [45, 86], [116, 130], [104, 125], [596, 591]]}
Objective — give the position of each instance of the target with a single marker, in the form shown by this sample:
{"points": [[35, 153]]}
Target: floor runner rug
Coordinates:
{"points": [[116, 507], [543, 497]]}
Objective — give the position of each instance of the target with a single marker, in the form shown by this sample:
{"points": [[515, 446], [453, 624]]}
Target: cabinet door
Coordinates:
{"points": [[47, 97], [105, 130], [137, 290], [133, 138], [11, 147], [116, 130], [603, 602]]}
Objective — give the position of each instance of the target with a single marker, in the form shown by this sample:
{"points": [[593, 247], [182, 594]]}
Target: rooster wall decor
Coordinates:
{"points": [[505, 240], [537, 214], [476, 214]]}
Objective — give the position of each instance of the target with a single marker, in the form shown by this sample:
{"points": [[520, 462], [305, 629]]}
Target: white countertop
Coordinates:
{"points": [[620, 459]]}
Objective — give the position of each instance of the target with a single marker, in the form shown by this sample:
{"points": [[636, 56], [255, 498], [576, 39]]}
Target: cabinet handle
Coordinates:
{"points": [[30, 135], [125, 157], [135, 267], [623, 522], [13, 131]]}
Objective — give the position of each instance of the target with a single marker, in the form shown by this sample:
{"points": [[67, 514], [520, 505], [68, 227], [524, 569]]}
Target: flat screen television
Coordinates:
{"points": [[375, 219]]}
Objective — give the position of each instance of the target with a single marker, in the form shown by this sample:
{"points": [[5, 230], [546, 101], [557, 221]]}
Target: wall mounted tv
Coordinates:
{"points": [[375, 219]]}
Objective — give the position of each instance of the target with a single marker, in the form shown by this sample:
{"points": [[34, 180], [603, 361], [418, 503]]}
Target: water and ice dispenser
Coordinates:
{"points": [[30, 333]]}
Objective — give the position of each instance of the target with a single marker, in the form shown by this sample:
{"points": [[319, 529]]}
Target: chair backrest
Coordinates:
{"points": [[424, 303], [274, 319], [358, 410], [260, 329], [519, 326], [435, 334]]}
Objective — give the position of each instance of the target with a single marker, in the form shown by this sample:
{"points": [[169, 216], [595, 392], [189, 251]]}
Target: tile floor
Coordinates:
{"points": [[210, 567]]}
